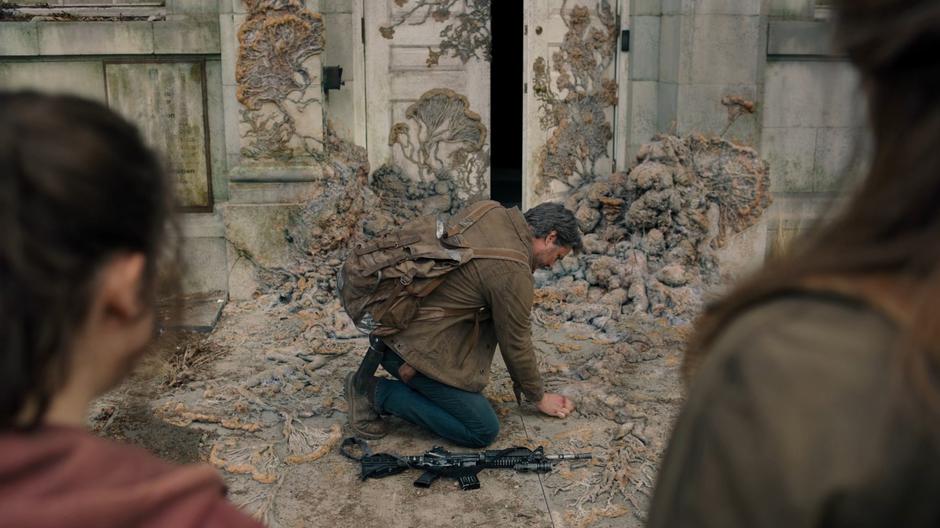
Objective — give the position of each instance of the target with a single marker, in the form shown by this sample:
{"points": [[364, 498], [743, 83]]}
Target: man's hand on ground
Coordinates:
{"points": [[406, 372], [555, 405]]}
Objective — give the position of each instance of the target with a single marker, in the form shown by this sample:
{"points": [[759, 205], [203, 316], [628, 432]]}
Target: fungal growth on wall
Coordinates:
{"points": [[466, 35], [275, 72], [445, 141], [575, 91]]}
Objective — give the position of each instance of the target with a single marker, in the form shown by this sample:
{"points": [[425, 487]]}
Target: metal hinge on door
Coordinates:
{"points": [[362, 29], [525, 87]]}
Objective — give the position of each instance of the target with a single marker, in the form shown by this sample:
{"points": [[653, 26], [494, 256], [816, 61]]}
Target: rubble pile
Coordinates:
{"points": [[651, 234]]}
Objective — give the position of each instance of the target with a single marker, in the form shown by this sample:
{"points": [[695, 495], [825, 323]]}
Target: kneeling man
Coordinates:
{"points": [[442, 363]]}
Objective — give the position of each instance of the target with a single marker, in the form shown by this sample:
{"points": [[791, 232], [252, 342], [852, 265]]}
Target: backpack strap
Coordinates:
{"points": [[472, 216], [385, 242], [476, 212], [513, 255]]}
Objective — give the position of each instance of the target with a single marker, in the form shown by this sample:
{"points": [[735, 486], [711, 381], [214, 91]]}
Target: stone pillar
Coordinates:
{"points": [[274, 133], [642, 121], [710, 49]]}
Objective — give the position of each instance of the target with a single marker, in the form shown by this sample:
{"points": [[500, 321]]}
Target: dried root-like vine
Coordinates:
{"points": [[274, 83], [467, 37], [305, 444], [191, 357], [259, 461], [445, 140], [737, 106], [181, 416], [575, 109], [625, 471], [261, 503]]}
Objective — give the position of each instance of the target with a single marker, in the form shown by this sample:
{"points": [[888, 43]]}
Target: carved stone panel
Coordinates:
{"points": [[278, 83], [167, 101], [569, 107], [444, 140], [428, 90]]}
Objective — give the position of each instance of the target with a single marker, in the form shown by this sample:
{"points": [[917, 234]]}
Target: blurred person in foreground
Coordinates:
{"points": [[84, 207], [814, 396]]}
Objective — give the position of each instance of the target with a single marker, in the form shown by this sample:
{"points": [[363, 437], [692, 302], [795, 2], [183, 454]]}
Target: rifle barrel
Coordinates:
{"points": [[569, 456]]}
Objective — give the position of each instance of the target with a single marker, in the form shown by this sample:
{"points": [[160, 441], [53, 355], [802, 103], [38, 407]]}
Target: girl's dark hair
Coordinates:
{"points": [[77, 185], [547, 217], [891, 228]]}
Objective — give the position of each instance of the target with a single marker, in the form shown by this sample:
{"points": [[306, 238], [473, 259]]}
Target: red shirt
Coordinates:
{"points": [[66, 477]]}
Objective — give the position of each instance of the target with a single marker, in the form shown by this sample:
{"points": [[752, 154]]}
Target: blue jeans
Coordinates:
{"points": [[465, 418]]}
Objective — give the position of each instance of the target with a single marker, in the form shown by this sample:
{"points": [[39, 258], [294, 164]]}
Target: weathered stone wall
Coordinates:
{"points": [[68, 47], [687, 56], [813, 123], [687, 60]]}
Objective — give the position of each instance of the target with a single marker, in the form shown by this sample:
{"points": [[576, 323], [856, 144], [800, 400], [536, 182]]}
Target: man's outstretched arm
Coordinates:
{"points": [[510, 295]]}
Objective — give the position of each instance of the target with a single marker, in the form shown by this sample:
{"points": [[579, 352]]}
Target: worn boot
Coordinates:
{"points": [[364, 421]]}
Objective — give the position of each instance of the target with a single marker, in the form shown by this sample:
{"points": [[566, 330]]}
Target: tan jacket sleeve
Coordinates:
{"points": [[509, 290]]}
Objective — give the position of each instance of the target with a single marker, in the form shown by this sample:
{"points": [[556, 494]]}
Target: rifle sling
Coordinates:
{"points": [[351, 441]]}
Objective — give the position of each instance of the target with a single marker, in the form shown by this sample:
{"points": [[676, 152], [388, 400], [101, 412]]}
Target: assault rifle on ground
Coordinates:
{"points": [[463, 467]]}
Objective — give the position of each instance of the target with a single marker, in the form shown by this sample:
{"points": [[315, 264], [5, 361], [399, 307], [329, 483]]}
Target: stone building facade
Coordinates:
{"points": [[233, 92]]}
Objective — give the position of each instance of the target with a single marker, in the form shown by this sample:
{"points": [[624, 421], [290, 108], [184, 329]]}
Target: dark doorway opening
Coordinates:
{"points": [[506, 102]]}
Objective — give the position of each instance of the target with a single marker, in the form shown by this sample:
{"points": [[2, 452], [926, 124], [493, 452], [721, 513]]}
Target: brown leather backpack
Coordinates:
{"points": [[383, 281]]}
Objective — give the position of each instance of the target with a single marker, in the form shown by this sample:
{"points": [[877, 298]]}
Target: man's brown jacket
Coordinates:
{"points": [[495, 297]]}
